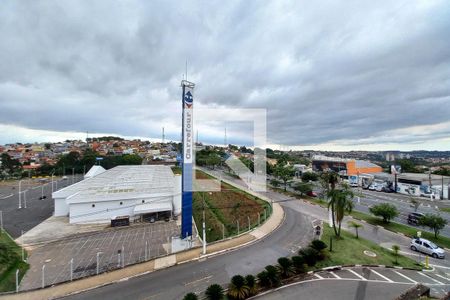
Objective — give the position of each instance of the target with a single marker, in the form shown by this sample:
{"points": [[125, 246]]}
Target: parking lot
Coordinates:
{"points": [[35, 211], [114, 248]]}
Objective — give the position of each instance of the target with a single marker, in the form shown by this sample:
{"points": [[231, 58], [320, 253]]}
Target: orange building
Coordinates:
{"points": [[344, 166]]}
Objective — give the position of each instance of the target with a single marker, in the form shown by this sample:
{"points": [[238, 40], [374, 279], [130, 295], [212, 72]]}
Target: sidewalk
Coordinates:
{"points": [[60, 290]]}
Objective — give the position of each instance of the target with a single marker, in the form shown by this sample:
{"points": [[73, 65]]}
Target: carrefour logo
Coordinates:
{"points": [[188, 99]]}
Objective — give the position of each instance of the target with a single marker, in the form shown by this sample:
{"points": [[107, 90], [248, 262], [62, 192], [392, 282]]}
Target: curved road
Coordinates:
{"points": [[176, 281]]}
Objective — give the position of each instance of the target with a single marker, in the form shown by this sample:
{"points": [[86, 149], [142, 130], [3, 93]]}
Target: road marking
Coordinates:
{"points": [[356, 274], [10, 195], [318, 276], [404, 276], [448, 279], [334, 274], [382, 276], [198, 280], [439, 266], [430, 278]]}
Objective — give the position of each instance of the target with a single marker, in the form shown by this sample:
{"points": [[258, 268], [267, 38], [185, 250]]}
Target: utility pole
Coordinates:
{"points": [[225, 139], [442, 191], [73, 175], [163, 136], [1, 221]]}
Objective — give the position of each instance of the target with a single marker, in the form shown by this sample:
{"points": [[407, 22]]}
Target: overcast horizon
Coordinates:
{"points": [[337, 76]]}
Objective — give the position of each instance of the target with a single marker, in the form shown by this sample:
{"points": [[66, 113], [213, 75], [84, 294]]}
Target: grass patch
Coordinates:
{"points": [[10, 261], [349, 250], [407, 230], [176, 170], [224, 209], [445, 209]]}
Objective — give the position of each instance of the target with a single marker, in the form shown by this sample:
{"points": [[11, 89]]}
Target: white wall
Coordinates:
{"points": [[61, 207], [176, 202]]}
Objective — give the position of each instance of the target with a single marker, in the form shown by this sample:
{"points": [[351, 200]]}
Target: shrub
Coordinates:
{"points": [[310, 255], [214, 292], [318, 245], [263, 279], [273, 275], [250, 281], [190, 296], [285, 267], [238, 288], [299, 264]]}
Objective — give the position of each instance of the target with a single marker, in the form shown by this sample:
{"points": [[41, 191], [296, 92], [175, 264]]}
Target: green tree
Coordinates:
{"points": [[263, 279], [130, 159], [396, 249], [190, 296], [284, 173], [214, 292], [285, 267], [276, 183], [237, 289], [434, 222], [385, 210], [407, 166], [309, 176], [303, 188], [356, 226], [340, 202], [9, 165]]}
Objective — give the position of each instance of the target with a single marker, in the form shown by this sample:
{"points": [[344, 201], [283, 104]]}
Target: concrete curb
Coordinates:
{"points": [[73, 287]]}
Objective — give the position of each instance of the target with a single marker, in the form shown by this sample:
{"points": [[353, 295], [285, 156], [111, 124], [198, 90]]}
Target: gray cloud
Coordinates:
{"points": [[325, 73]]}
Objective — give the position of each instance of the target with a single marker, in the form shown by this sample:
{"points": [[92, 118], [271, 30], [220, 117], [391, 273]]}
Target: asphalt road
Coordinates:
{"points": [[403, 205], [175, 282], [339, 290], [14, 219]]}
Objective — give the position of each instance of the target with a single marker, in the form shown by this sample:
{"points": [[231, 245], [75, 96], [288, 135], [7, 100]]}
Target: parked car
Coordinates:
{"points": [[354, 184], [311, 194], [427, 247], [64, 177], [387, 189], [413, 218], [372, 187]]}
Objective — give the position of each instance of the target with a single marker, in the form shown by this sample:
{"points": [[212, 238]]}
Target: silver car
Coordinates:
{"points": [[427, 247]]}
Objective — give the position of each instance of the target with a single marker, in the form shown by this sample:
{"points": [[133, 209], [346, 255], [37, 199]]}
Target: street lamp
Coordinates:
{"points": [[20, 194], [98, 256], [204, 226]]}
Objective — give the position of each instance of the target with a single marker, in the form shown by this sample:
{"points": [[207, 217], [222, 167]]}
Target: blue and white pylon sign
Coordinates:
{"points": [[187, 158]]}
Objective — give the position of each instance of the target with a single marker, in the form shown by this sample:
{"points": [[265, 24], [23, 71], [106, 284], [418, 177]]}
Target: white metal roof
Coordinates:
{"points": [[122, 182], [94, 171]]}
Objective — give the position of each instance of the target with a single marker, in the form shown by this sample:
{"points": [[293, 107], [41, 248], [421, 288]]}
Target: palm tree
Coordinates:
{"points": [[214, 292], [395, 248], [263, 279], [328, 181], [356, 226], [251, 283], [340, 202], [285, 266], [273, 275], [190, 296], [238, 288]]}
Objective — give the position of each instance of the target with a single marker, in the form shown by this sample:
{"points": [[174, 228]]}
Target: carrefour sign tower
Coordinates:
{"points": [[188, 152]]}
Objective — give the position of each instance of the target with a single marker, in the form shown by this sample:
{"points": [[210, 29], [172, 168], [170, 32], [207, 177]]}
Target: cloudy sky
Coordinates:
{"points": [[334, 75]]}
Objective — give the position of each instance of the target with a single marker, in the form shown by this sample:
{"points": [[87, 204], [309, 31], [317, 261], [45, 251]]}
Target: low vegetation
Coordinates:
{"points": [[227, 209], [10, 261]]}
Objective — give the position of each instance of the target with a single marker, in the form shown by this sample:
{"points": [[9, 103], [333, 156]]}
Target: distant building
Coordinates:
{"points": [[344, 166]]}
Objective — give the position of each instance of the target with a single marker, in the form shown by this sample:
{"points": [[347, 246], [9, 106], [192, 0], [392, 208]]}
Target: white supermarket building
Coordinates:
{"points": [[139, 192]]}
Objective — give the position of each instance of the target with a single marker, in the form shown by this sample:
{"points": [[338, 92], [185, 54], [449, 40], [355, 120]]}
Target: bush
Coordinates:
{"points": [[238, 288], [318, 245], [190, 296], [250, 281], [285, 267], [214, 292], [263, 279], [299, 264], [273, 275], [310, 255]]}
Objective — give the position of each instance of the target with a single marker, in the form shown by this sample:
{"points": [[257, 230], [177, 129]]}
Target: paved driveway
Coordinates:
{"points": [[135, 244]]}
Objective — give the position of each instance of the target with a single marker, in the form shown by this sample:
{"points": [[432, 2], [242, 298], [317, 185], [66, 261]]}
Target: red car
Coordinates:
{"points": [[311, 194]]}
